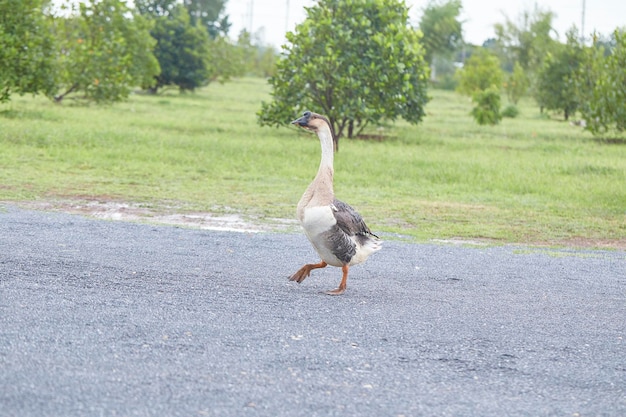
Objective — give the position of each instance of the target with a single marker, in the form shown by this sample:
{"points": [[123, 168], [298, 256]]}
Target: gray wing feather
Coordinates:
{"points": [[349, 220]]}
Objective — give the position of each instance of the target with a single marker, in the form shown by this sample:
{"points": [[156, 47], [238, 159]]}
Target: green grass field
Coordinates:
{"points": [[528, 180]]}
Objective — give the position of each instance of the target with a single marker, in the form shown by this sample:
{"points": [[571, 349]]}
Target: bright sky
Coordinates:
{"points": [[275, 17]]}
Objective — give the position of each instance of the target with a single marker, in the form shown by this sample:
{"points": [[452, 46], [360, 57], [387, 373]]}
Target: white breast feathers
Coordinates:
{"points": [[318, 220]]}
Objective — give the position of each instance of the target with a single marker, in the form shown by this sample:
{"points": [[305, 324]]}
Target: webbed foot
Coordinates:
{"points": [[305, 271]]}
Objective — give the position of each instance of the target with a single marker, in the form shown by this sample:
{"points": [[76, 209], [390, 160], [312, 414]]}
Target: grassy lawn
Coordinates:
{"points": [[528, 180]]}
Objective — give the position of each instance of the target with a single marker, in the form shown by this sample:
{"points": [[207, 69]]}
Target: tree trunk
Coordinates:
{"points": [[59, 98], [337, 132]]}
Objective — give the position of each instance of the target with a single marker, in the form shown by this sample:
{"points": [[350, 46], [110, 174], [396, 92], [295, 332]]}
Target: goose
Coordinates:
{"points": [[337, 232]]}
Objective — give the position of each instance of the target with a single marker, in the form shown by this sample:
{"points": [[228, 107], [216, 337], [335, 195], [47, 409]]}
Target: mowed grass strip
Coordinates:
{"points": [[530, 180]]}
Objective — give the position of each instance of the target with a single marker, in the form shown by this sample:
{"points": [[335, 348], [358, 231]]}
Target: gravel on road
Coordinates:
{"points": [[109, 318]]}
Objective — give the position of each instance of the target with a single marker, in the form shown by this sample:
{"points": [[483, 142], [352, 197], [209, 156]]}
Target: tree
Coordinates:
{"points": [[182, 50], [358, 62], [154, 8], [27, 63], [443, 32], [209, 15], [257, 59], [188, 56], [556, 87], [480, 72], [527, 41], [227, 60], [106, 50], [517, 84], [600, 85]]}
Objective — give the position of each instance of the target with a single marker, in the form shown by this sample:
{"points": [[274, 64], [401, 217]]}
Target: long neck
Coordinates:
{"points": [[320, 191], [322, 185], [328, 153]]}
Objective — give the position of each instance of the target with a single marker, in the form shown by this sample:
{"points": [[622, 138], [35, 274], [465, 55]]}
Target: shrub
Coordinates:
{"points": [[510, 111], [487, 109]]}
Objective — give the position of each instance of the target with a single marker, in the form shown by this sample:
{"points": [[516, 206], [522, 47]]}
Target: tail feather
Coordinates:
{"points": [[366, 246], [375, 244]]}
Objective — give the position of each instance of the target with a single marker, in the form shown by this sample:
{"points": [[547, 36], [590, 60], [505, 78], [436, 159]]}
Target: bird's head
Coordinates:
{"points": [[312, 121]]}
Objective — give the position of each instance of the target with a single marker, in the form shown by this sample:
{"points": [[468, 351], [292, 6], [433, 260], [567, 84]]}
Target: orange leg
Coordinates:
{"points": [[305, 271], [342, 286]]}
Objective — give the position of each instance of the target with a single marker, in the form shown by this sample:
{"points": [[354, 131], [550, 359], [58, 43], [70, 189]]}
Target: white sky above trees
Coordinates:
{"points": [[272, 18]]}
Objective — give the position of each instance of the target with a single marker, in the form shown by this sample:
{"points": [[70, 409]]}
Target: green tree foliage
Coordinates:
{"points": [[257, 59], [182, 51], [188, 56], [481, 78], [442, 29], [480, 72], [266, 62], [600, 85], [154, 8], [606, 42], [556, 87], [227, 60], [487, 106], [26, 49], [527, 41], [356, 61], [106, 50], [209, 14], [516, 84]]}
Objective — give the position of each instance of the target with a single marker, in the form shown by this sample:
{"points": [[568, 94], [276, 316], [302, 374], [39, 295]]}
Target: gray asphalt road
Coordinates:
{"points": [[101, 318]]}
